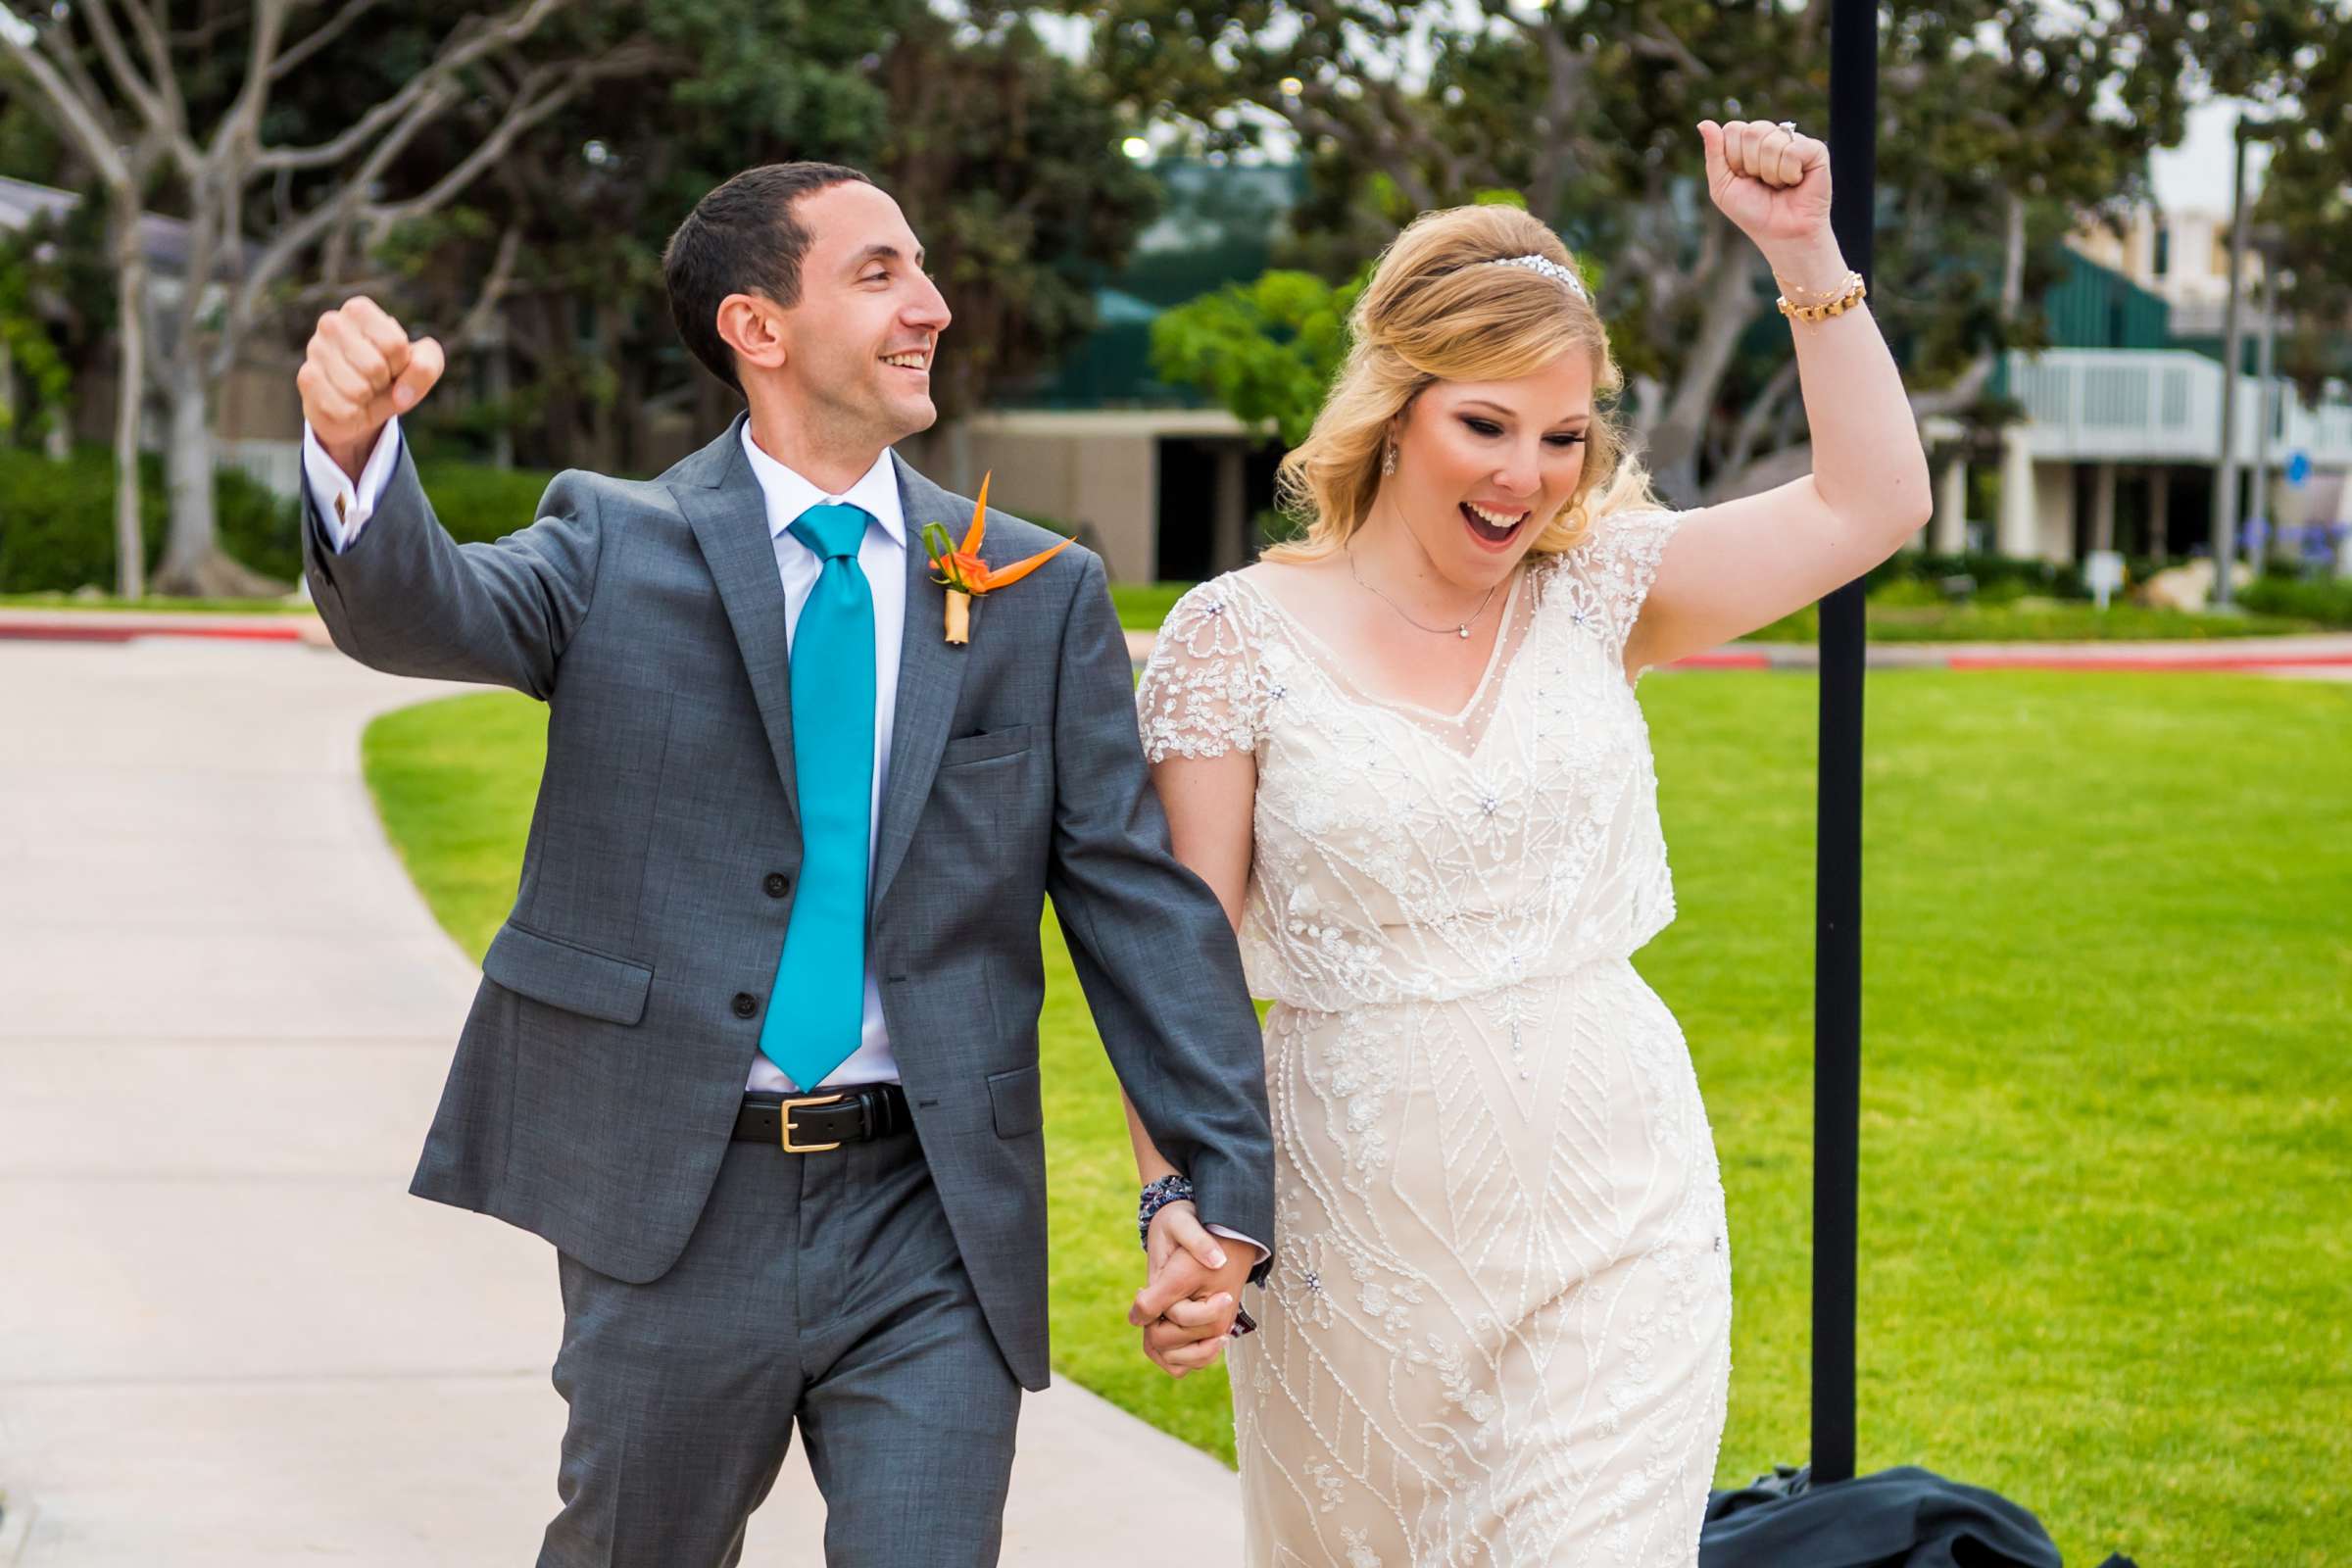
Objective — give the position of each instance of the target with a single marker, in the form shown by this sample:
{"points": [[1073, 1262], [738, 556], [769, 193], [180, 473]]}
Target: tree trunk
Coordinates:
{"points": [[131, 309], [1672, 438], [603, 413], [194, 563], [502, 390]]}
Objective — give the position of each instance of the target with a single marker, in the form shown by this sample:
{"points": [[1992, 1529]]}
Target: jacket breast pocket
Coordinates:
{"points": [[564, 975], [1016, 1100], [1011, 741]]}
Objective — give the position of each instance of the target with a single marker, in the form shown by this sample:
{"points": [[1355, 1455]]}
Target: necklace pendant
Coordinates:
{"points": [[1462, 632]]}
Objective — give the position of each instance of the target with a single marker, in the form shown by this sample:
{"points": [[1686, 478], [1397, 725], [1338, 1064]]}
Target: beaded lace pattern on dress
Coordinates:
{"points": [[1497, 1326]]}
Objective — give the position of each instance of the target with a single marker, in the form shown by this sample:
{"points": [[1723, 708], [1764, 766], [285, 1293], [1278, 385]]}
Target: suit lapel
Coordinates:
{"points": [[930, 676], [728, 513]]}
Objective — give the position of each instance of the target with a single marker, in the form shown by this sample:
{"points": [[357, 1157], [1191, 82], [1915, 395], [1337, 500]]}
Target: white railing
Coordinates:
{"points": [[2161, 406]]}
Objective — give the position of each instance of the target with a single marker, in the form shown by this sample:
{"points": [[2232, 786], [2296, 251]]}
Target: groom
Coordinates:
{"points": [[757, 1049]]}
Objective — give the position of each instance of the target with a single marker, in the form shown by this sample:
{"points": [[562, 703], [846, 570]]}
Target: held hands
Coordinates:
{"points": [[1773, 183], [361, 369], [1186, 1308]]}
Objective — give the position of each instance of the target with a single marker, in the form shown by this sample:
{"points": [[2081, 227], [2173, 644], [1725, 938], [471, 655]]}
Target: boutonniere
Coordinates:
{"points": [[963, 573]]}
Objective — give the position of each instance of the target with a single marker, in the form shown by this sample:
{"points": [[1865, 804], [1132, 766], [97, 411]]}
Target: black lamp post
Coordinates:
{"points": [[1837, 849]]}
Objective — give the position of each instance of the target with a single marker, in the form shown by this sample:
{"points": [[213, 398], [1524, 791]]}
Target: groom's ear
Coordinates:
{"points": [[753, 326]]}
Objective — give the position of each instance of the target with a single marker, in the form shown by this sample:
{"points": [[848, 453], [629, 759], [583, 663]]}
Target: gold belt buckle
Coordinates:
{"points": [[789, 1107]]}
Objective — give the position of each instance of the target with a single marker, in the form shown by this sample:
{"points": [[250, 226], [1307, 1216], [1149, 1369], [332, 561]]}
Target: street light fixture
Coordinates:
{"points": [[2225, 485]]}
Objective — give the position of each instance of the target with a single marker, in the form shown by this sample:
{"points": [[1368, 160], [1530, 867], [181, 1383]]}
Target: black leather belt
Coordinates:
{"points": [[811, 1124]]}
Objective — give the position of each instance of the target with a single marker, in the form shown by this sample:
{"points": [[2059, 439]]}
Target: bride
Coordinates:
{"points": [[1405, 753]]}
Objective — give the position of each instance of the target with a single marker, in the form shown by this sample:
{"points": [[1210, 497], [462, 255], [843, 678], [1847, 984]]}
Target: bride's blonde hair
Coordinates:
{"points": [[1430, 314]]}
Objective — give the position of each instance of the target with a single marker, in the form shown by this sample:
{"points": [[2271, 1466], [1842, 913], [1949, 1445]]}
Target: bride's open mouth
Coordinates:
{"points": [[1492, 529]]}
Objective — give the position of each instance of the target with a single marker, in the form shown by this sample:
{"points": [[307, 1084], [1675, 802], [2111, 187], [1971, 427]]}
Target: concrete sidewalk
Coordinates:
{"points": [[227, 1336]]}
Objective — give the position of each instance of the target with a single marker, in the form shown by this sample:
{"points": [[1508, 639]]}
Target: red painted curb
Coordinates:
{"points": [[51, 631], [2224, 663], [1720, 661]]}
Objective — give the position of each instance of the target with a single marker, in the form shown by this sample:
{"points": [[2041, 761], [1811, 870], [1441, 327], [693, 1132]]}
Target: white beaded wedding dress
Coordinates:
{"points": [[1498, 1329]]}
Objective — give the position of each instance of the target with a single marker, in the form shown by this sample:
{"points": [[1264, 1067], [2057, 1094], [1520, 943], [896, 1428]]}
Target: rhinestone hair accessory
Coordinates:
{"points": [[1547, 267]]}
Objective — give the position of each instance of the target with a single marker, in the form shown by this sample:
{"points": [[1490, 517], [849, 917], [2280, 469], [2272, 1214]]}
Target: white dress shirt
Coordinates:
{"points": [[345, 508]]}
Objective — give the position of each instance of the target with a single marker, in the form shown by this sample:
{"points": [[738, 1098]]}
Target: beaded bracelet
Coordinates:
{"points": [[1157, 1196], [1856, 290]]}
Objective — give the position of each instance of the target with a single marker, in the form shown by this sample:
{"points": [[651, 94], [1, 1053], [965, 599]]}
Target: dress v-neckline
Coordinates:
{"points": [[1335, 668]]}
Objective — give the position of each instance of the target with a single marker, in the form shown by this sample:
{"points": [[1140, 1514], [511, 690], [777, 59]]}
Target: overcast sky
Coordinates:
{"points": [[2196, 174]]}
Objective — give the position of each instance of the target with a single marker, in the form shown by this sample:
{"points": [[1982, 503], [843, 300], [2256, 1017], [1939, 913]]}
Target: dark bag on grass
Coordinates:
{"points": [[1900, 1518]]}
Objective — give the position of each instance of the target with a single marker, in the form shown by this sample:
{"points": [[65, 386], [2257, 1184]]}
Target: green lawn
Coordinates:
{"points": [[2107, 1104], [1143, 605]]}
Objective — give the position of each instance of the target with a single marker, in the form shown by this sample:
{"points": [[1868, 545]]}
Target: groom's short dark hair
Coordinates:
{"points": [[743, 238]]}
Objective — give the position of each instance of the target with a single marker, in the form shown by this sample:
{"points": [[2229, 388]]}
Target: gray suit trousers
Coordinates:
{"points": [[824, 1288]]}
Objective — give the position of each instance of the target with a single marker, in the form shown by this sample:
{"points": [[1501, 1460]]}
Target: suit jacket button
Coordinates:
{"points": [[777, 884], [746, 1004]]}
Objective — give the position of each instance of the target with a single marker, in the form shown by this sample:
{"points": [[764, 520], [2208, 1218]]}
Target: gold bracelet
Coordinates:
{"points": [[1856, 290], [1831, 292]]}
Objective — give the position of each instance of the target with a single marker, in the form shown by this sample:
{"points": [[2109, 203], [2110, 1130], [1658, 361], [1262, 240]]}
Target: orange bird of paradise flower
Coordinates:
{"points": [[963, 573]]}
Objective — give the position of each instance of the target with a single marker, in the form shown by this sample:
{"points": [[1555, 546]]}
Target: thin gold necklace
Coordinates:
{"points": [[1461, 630]]}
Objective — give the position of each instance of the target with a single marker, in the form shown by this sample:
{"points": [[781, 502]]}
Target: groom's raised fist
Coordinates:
{"points": [[360, 371]]}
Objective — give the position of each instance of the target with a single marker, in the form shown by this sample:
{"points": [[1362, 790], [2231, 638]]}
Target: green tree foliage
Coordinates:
{"points": [[1266, 350], [530, 205], [30, 329], [2305, 200], [2002, 123], [187, 122], [1004, 157]]}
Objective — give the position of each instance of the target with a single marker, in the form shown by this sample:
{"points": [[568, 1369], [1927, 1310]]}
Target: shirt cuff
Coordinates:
{"points": [[344, 507], [1263, 1250]]}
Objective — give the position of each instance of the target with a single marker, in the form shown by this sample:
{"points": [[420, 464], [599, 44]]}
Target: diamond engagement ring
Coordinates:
{"points": [[1789, 125]]}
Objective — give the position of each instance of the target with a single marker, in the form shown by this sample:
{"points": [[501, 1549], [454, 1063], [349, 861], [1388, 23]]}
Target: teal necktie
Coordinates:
{"points": [[820, 980]]}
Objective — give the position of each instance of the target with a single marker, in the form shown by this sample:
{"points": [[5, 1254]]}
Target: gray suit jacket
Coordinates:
{"points": [[599, 1070]]}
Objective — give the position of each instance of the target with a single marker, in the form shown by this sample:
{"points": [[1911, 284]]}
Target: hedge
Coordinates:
{"points": [[57, 520], [2326, 599]]}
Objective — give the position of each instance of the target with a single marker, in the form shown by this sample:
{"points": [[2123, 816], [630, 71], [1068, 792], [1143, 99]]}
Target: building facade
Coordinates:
{"points": [[2119, 446]]}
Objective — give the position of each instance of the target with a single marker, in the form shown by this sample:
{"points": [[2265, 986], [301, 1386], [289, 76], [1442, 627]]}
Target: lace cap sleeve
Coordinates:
{"points": [[1202, 694], [1615, 566]]}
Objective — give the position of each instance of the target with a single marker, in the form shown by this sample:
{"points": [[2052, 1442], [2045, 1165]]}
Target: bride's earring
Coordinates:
{"points": [[1388, 458]]}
